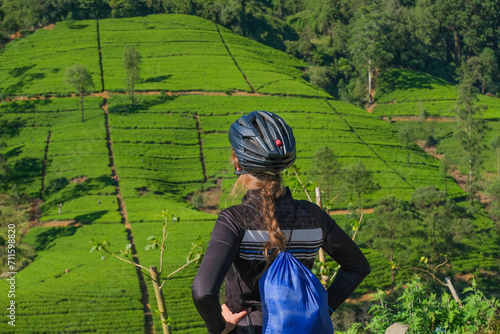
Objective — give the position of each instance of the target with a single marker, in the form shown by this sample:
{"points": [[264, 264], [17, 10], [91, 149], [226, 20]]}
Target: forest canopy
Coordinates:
{"points": [[347, 37]]}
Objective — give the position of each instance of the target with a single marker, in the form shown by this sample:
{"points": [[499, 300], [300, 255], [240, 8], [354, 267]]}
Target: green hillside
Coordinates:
{"points": [[409, 93], [196, 79]]}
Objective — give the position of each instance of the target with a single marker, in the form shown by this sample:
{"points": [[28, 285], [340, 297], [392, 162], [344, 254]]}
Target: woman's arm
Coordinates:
{"points": [[354, 266], [222, 249]]}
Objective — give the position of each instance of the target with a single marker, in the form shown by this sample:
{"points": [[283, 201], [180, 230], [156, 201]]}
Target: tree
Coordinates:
{"points": [[389, 230], [445, 223], [494, 192], [80, 78], [483, 69], [406, 135], [445, 167], [326, 167], [318, 76], [495, 144], [368, 43], [131, 61], [357, 180], [470, 129], [129, 255]]}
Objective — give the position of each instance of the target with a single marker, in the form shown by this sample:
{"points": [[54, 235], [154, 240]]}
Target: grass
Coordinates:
{"points": [[97, 295], [37, 63], [158, 156]]}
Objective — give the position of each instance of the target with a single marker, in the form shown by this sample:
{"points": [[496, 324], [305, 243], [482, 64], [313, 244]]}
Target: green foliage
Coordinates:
{"points": [[470, 130], [326, 167], [357, 180], [406, 135], [425, 313], [131, 62], [80, 78], [318, 76]]}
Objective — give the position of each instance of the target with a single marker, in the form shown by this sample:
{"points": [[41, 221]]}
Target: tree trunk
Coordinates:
{"points": [[433, 239], [160, 300], [498, 166], [391, 258], [370, 101], [457, 48], [453, 291], [445, 184], [324, 278], [81, 104], [359, 201]]}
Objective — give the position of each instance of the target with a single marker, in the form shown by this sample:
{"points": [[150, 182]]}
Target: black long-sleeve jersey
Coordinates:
{"points": [[235, 252]]}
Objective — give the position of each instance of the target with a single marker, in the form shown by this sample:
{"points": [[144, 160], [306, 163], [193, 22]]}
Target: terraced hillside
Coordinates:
{"points": [[112, 175], [405, 95]]}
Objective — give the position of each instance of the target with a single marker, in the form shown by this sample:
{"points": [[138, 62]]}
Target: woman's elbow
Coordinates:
{"points": [[366, 269], [202, 295]]}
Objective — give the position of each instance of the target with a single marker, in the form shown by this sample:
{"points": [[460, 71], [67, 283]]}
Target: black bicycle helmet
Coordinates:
{"points": [[263, 143]]}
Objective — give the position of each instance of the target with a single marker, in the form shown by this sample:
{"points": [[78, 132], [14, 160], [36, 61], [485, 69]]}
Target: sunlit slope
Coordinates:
{"points": [[349, 131], [409, 93], [165, 148], [48, 135], [181, 52], [96, 295], [37, 63]]}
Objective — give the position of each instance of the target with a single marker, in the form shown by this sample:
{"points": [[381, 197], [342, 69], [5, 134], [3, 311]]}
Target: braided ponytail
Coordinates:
{"points": [[268, 188]]}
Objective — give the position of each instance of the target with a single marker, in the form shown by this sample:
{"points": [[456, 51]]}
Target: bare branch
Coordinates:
{"points": [[302, 185], [128, 261], [354, 236], [428, 272], [184, 266], [162, 249], [441, 264]]}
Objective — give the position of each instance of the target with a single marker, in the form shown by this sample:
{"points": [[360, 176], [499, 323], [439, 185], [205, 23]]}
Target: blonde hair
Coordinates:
{"points": [[268, 188]]}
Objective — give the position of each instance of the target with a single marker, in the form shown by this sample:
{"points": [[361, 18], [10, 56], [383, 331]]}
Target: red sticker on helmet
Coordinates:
{"points": [[278, 142]]}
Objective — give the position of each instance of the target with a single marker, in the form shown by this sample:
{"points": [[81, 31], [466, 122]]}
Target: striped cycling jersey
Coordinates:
{"points": [[304, 244], [235, 252]]}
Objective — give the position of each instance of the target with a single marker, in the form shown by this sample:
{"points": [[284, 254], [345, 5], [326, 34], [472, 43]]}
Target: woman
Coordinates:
{"points": [[247, 237]]}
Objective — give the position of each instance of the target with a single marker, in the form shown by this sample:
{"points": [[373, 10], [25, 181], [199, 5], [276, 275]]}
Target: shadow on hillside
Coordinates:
{"points": [[63, 193], [78, 26], [60, 191], [18, 71], [403, 80], [21, 174], [13, 152], [9, 129], [26, 80], [159, 78], [125, 109], [20, 107], [91, 217], [45, 240]]}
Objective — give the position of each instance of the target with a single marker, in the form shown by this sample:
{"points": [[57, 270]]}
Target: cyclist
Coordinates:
{"points": [[247, 237]]}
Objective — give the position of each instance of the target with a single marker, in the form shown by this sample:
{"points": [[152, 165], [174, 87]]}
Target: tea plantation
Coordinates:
{"points": [[172, 144], [408, 93]]}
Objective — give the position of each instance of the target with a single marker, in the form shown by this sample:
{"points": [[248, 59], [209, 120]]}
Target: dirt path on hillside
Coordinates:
{"points": [[108, 94], [460, 179], [369, 146], [346, 212], [200, 142], [44, 164], [417, 119], [374, 104], [100, 55], [148, 318], [234, 60]]}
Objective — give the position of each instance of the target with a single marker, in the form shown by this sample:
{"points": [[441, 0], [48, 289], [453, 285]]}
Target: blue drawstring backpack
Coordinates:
{"points": [[293, 300]]}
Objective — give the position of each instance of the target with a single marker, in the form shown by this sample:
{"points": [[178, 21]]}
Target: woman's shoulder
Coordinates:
{"points": [[244, 216]]}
